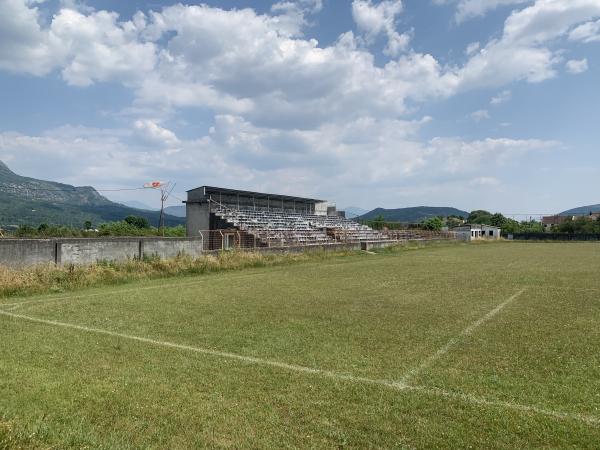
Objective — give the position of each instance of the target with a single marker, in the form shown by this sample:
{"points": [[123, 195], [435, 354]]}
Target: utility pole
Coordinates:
{"points": [[165, 191]]}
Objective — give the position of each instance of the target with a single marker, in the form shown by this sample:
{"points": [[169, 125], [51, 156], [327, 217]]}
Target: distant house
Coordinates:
{"points": [[477, 232], [550, 221]]}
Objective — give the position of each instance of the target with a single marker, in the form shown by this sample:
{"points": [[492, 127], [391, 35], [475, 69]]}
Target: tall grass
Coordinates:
{"points": [[54, 279]]}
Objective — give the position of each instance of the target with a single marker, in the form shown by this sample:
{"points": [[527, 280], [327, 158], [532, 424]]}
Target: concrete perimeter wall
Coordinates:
{"points": [[29, 252]]}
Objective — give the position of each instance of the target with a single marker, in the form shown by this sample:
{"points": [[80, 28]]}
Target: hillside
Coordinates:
{"points": [[30, 201], [582, 210], [177, 211], [413, 215], [354, 211]]}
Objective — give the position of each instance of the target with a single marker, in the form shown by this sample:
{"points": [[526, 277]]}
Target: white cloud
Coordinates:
{"points": [[577, 66], [470, 156], [24, 45], [151, 132], [522, 53], [482, 114], [287, 111], [293, 14], [468, 9], [472, 48], [588, 32], [240, 62], [374, 20], [502, 97], [485, 181], [328, 160]]}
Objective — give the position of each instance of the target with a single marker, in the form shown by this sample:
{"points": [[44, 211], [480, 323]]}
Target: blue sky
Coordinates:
{"points": [[469, 103]]}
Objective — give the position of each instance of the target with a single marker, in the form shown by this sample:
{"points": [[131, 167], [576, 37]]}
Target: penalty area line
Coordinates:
{"points": [[454, 341], [394, 385]]}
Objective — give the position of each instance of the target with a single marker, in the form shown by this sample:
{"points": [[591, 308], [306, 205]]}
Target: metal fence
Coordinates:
{"points": [[230, 239], [556, 237]]}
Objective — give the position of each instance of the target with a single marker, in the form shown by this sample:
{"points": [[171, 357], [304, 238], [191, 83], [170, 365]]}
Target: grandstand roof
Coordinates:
{"points": [[207, 190]]}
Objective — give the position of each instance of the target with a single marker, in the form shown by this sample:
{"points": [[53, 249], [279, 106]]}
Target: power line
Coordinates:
{"points": [[74, 189]]}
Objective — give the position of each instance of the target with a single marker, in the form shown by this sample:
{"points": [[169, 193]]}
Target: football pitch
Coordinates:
{"points": [[453, 346]]}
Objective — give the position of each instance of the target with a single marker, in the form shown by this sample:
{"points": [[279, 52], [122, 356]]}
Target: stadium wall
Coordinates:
{"points": [[29, 252]]}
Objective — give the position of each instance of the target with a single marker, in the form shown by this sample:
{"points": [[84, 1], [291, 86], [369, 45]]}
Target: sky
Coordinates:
{"points": [[475, 104]]}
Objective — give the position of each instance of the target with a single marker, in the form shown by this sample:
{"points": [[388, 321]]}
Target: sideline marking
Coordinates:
{"points": [[395, 385], [452, 342]]}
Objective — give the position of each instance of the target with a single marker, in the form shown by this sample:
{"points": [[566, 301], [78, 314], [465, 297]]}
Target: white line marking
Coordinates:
{"points": [[452, 342], [397, 386]]}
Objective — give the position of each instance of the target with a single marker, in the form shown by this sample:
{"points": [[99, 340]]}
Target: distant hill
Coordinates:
{"points": [[30, 201], [354, 211], [177, 211], [413, 215], [139, 205], [582, 210]]}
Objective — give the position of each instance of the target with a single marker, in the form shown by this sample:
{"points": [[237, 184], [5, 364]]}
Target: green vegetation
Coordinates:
{"points": [[432, 223], [579, 225], [527, 376], [51, 278], [131, 226], [509, 226]]}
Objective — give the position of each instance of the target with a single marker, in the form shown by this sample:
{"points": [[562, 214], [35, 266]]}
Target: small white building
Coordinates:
{"points": [[477, 232]]}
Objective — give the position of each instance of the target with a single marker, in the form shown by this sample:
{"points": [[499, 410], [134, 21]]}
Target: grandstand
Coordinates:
{"points": [[228, 218]]}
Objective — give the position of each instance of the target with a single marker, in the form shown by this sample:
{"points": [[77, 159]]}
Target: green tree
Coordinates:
{"points": [[433, 223], [137, 222], [43, 228], [454, 221], [378, 222], [87, 225], [480, 217]]}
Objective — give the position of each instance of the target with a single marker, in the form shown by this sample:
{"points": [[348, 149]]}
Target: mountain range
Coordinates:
{"points": [[354, 211], [31, 201], [413, 215], [581, 211]]}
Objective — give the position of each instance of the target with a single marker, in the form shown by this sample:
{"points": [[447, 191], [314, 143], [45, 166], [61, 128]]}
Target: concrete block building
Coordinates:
{"points": [[477, 232]]}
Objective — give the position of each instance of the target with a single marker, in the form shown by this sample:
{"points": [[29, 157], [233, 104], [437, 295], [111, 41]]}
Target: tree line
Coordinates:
{"points": [[478, 217], [130, 226]]}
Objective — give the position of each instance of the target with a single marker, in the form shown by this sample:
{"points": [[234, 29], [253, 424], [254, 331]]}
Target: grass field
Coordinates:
{"points": [[480, 346]]}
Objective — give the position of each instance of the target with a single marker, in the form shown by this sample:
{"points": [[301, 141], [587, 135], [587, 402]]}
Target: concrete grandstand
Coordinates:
{"points": [[229, 218], [263, 220]]}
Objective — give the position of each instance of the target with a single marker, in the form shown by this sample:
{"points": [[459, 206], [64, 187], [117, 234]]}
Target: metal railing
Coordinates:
{"points": [[231, 239]]}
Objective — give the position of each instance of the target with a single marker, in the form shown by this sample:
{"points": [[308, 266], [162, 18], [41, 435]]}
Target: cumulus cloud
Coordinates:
{"points": [[469, 156], [293, 14], [577, 66], [151, 132], [362, 154], [502, 97], [374, 20], [480, 115], [587, 32], [522, 53], [240, 62], [287, 110], [24, 45], [468, 9]]}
